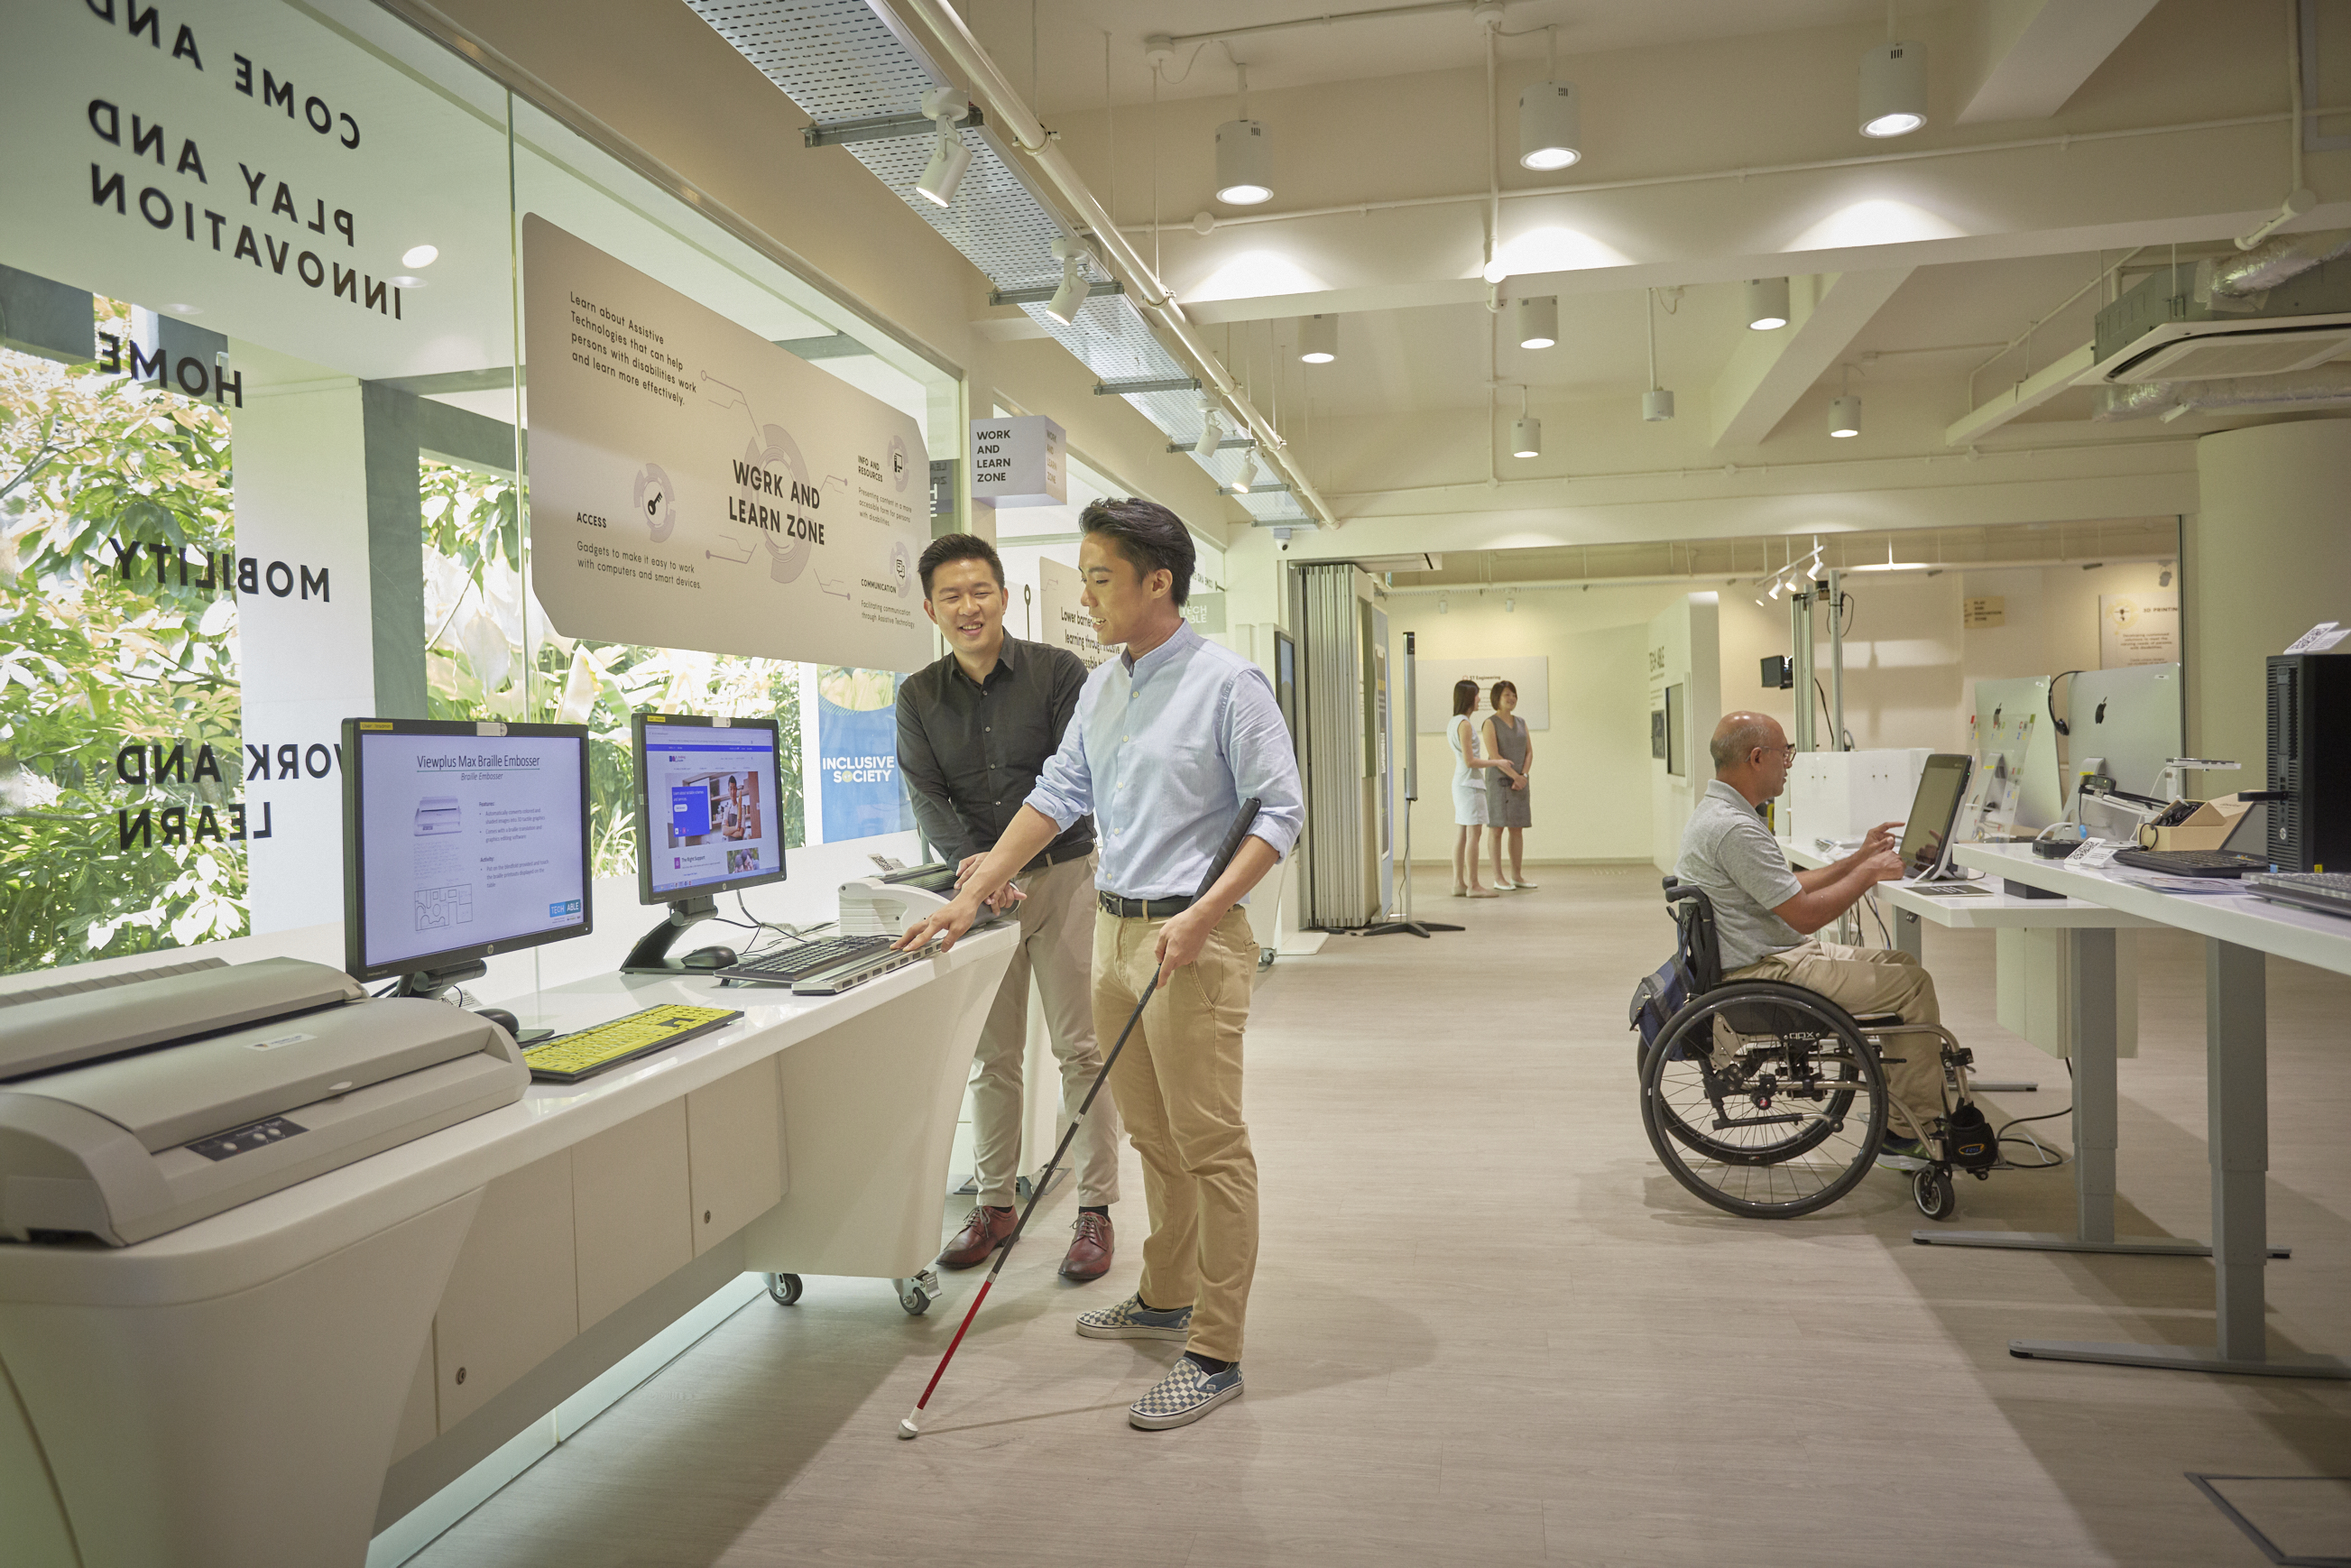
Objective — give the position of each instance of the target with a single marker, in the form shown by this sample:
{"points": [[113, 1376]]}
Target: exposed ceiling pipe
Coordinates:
{"points": [[2274, 261], [1014, 121], [2320, 387]]}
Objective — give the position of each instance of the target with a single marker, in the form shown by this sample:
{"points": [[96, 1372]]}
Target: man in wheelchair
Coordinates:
{"points": [[1766, 911]]}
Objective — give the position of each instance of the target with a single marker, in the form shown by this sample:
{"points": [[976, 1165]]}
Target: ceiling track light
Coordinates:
{"points": [[1318, 338], [950, 159], [1210, 432], [1244, 162], [1070, 297], [1893, 89], [1766, 303], [1246, 477], [1551, 126], [1537, 319]]}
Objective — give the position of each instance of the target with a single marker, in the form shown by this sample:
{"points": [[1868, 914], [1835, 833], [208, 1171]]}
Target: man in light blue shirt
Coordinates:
{"points": [[1167, 740]]}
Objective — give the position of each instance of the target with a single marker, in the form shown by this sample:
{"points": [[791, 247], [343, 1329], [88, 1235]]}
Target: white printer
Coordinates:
{"points": [[136, 1108], [885, 905]]}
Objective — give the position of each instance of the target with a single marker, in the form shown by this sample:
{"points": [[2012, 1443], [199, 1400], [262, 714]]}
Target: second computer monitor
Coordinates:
{"points": [[1934, 812], [709, 805]]}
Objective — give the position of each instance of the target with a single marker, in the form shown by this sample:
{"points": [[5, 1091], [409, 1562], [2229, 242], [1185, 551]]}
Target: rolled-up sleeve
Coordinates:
{"points": [[1257, 748], [1065, 789]]}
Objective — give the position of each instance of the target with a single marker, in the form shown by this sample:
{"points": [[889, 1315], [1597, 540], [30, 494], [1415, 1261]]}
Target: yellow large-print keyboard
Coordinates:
{"points": [[568, 1058]]}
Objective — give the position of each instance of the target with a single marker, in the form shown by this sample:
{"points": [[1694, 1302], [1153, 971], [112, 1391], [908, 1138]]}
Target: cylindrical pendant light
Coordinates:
{"points": [[1894, 90], [1537, 320], [1845, 416], [1656, 404], [1551, 126], [1767, 303], [1318, 338], [1526, 437], [1244, 167]]}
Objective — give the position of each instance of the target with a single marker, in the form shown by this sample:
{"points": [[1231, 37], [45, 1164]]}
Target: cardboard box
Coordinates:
{"points": [[2210, 828]]}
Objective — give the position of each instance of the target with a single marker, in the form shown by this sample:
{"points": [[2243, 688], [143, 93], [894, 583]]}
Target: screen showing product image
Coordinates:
{"points": [[712, 802], [466, 840]]}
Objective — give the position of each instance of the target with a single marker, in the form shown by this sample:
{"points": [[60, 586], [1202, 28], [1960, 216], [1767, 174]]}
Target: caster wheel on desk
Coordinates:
{"points": [[1932, 1190], [783, 1288], [917, 1294]]}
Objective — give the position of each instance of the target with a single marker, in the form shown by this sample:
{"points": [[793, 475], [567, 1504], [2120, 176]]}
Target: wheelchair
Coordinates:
{"points": [[1769, 1100]]}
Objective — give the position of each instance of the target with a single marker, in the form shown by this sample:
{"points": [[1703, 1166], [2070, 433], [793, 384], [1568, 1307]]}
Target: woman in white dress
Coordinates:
{"points": [[1469, 808]]}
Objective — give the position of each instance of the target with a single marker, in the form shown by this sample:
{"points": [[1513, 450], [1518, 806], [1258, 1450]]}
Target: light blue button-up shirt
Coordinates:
{"points": [[1163, 751]]}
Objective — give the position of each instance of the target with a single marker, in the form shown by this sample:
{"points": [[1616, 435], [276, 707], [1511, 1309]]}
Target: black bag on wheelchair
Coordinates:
{"points": [[1969, 1138], [1658, 998]]}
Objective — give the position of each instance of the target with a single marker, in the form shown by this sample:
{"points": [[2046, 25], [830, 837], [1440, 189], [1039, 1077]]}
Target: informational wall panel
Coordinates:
{"points": [[1062, 621], [693, 485], [2136, 628]]}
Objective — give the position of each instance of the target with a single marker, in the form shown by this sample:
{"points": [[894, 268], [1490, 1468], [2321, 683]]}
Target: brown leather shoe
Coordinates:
{"points": [[1089, 1253], [983, 1230]]}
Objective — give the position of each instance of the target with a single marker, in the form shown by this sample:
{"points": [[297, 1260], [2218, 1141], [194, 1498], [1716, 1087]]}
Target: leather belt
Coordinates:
{"points": [[1056, 856], [1142, 908]]}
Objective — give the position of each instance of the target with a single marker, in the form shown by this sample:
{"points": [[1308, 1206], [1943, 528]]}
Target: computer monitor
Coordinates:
{"points": [[709, 797], [460, 839], [1925, 846]]}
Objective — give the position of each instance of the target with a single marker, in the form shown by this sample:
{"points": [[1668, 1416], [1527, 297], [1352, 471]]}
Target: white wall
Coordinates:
{"points": [[1591, 782]]}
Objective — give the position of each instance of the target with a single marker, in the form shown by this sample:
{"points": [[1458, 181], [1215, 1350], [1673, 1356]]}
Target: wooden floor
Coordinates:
{"points": [[1487, 1328]]}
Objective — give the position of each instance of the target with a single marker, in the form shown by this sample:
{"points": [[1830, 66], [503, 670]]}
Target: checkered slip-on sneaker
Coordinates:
{"points": [[1184, 1396], [1132, 1319]]}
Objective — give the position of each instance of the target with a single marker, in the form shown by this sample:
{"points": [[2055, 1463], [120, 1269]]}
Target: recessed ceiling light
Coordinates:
{"points": [[417, 257], [1551, 131], [407, 281], [1767, 303], [1893, 89], [1318, 338]]}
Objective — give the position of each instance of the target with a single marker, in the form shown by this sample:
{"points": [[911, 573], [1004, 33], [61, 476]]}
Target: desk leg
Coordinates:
{"points": [[1909, 935], [2236, 1048], [2091, 1002]]}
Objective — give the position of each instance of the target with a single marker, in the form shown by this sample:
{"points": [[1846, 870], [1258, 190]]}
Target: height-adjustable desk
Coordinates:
{"points": [[2238, 930], [265, 1385]]}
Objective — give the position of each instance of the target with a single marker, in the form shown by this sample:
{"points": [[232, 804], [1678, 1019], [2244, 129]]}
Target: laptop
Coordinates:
{"points": [[1926, 847], [2234, 858]]}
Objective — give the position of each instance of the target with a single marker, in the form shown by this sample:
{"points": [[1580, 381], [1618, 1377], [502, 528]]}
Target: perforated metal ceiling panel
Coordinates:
{"points": [[846, 59]]}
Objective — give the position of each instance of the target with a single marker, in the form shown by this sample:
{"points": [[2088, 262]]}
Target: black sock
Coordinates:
{"points": [[1100, 1208], [1000, 1208], [1207, 1364]]}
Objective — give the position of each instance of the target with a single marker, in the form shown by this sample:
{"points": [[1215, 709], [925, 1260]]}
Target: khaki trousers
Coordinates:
{"points": [[1178, 1084], [1056, 934], [1866, 980]]}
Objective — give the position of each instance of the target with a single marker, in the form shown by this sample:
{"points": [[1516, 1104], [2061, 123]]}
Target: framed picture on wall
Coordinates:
{"points": [[1657, 732]]}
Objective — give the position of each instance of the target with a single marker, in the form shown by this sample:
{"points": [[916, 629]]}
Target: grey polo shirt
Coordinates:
{"points": [[1727, 851]]}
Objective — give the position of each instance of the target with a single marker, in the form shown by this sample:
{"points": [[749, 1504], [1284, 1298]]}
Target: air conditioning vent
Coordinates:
{"points": [[2255, 353]]}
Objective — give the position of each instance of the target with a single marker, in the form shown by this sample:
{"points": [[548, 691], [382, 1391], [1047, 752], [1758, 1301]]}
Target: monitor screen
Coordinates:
{"points": [[709, 806], [458, 843], [1941, 788]]}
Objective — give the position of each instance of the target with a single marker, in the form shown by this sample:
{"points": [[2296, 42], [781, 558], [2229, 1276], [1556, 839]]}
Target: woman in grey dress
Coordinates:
{"points": [[1507, 801]]}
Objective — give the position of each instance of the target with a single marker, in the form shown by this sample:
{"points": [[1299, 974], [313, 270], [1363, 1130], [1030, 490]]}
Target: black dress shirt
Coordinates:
{"points": [[971, 752]]}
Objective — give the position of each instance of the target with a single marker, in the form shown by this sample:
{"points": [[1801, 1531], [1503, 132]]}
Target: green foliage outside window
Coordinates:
{"points": [[91, 662], [482, 661]]}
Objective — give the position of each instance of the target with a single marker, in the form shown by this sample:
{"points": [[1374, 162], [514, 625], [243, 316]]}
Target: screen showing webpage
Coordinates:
{"points": [[467, 839], [711, 797]]}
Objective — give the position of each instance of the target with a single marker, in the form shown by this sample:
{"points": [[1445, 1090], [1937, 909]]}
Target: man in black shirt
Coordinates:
{"points": [[974, 731]]}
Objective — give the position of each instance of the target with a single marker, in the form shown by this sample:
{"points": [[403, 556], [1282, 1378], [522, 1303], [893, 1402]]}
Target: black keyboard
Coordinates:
{"points": [[786, 966], [2191, 863], [2327, 891]]}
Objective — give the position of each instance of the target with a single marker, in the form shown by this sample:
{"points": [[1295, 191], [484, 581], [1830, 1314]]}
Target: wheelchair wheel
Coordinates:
{"points": [[1932, 1190], [1777, 1113]]}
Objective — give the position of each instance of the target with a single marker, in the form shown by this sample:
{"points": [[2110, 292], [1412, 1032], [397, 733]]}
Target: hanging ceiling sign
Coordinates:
{"points": [[1020, 462], [693, 485]]}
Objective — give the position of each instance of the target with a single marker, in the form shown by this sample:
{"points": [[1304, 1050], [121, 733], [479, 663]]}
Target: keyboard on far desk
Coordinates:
{"points": [[2192, 862], [786, 966], [2329, 892]]}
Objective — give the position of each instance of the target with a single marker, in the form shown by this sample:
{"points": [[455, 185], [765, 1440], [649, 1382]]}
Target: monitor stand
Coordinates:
{"points": [[651, 955], [429, 984]]}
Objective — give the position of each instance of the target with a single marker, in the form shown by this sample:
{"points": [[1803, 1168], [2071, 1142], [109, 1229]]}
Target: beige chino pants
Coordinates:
{"points": [[1178, 1084], [1866, 980], [1056, 945]]}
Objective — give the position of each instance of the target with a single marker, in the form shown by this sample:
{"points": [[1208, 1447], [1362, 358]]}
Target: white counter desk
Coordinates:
{"points": [[2237, 929], [267, 1385]]}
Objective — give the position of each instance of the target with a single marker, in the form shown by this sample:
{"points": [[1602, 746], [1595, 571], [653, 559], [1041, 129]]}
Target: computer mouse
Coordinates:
{"points": [[709, 958], [500, 1017]]}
